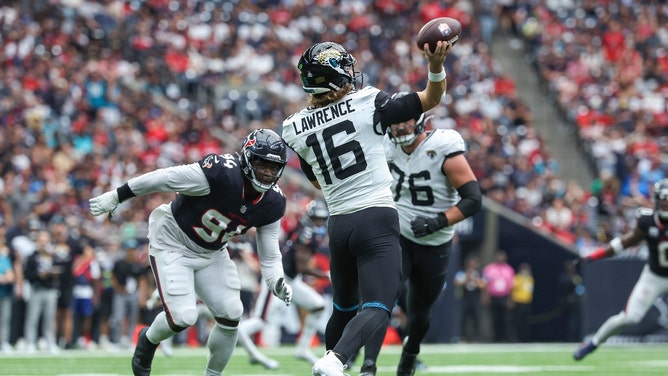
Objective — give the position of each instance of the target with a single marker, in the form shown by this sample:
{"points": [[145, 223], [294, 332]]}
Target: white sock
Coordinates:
{"points": [[159, 329], [221, 345]]}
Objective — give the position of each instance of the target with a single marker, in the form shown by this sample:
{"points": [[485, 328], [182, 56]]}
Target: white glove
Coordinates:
{"points": [[104, 203], [283, 291]]}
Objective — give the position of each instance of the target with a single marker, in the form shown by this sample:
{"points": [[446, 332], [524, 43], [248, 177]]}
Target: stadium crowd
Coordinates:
{"points": [[95, 92]]}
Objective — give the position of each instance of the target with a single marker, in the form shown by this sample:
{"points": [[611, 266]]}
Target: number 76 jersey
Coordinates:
{"points": [[342, 144], [420, 187]]}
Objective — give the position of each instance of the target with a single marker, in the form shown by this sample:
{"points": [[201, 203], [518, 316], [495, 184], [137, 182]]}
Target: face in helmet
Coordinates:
{"points": [[405, 133], [661, 198], [263, 158], [307, 237], [325, 67], [316, 216]]}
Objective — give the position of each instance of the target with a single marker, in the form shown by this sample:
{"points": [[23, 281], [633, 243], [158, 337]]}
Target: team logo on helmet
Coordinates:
{"points": [[330, 56], [250, 142]]}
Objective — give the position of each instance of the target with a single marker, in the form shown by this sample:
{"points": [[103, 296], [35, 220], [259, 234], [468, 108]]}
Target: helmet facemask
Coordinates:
{"points": [[407, 138], [263, 159], [263, 173]]}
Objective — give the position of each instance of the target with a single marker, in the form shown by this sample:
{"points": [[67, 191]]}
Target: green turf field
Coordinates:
{"points": [[451, 359]]}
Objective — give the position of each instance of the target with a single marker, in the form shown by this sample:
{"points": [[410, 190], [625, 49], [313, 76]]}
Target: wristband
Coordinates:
{"points": [[443, 220], [616, 245], [124, 193], [437, 77]]}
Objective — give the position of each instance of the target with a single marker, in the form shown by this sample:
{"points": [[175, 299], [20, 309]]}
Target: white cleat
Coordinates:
{"points": [[328, 365]]}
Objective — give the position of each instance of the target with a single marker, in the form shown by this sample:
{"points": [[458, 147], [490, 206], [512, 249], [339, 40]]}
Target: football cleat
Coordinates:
{"points": [[407, 364], [584, 349], [329, 365], [368, 368], [143, 355]]}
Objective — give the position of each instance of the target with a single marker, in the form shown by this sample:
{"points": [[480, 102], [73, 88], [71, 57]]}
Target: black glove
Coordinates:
{"points": [[423, 226]]}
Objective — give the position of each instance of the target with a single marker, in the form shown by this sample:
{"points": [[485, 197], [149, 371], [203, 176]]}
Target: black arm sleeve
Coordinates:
{"points": [[124, 192], [471, 201], [393, 111]]}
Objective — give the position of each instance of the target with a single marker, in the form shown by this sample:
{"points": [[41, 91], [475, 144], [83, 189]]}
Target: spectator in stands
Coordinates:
{"points": [[470, 286], [87, 278], [63, 257], [571, 290], [126, 277], [521, 298], [11, 276], [43, 273], [499, 276]]}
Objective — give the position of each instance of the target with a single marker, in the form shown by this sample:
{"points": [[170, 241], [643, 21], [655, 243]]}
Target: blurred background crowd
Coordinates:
{"points": [[93, 93]]}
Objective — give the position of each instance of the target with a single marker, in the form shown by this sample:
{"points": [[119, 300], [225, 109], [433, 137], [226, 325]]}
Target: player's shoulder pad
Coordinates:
{"points": [[448, 140], [209, 160]]}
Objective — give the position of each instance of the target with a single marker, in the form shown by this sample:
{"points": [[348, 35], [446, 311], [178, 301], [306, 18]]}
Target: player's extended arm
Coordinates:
{"points": [[187, 179], [436, 84], [459, 172], [271, 261], [616, 245]]}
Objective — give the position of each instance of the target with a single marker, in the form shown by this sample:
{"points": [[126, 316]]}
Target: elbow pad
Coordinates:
{"points": [[471, 201]]}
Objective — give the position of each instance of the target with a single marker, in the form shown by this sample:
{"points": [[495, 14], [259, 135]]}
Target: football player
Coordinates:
{"points": [[338, 138], [217, 198], [297, 264], [434, 188], [653, 281]]}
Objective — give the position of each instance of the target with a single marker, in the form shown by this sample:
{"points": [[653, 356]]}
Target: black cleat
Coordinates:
{"points": [[143, 356], [368, 368], [407, 364], [584, 349]]}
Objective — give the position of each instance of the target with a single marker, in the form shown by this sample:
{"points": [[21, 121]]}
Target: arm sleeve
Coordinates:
{"points": [[271, 261], [187, 179], [404, 108]]}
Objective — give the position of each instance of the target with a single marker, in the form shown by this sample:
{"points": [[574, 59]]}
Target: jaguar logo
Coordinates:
{"points": [[330, 56]]}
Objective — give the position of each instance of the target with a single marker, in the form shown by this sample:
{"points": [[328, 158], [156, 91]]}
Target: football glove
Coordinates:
{"points": [[104, 203], [423, 226], [283, 291]]}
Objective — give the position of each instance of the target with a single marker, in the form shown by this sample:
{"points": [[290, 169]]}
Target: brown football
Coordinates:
{"points": [[443, 28]]}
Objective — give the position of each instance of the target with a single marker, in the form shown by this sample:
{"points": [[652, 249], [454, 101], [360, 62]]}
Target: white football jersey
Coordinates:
{"points": [[344, 148], [420, 187]]}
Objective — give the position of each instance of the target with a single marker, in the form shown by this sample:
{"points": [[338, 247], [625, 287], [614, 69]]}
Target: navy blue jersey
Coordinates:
{"points": [[656, 236], [211, 220]]}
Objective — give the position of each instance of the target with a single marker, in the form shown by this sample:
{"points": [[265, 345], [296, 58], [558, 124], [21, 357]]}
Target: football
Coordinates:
{"points": [[443, 28]]}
